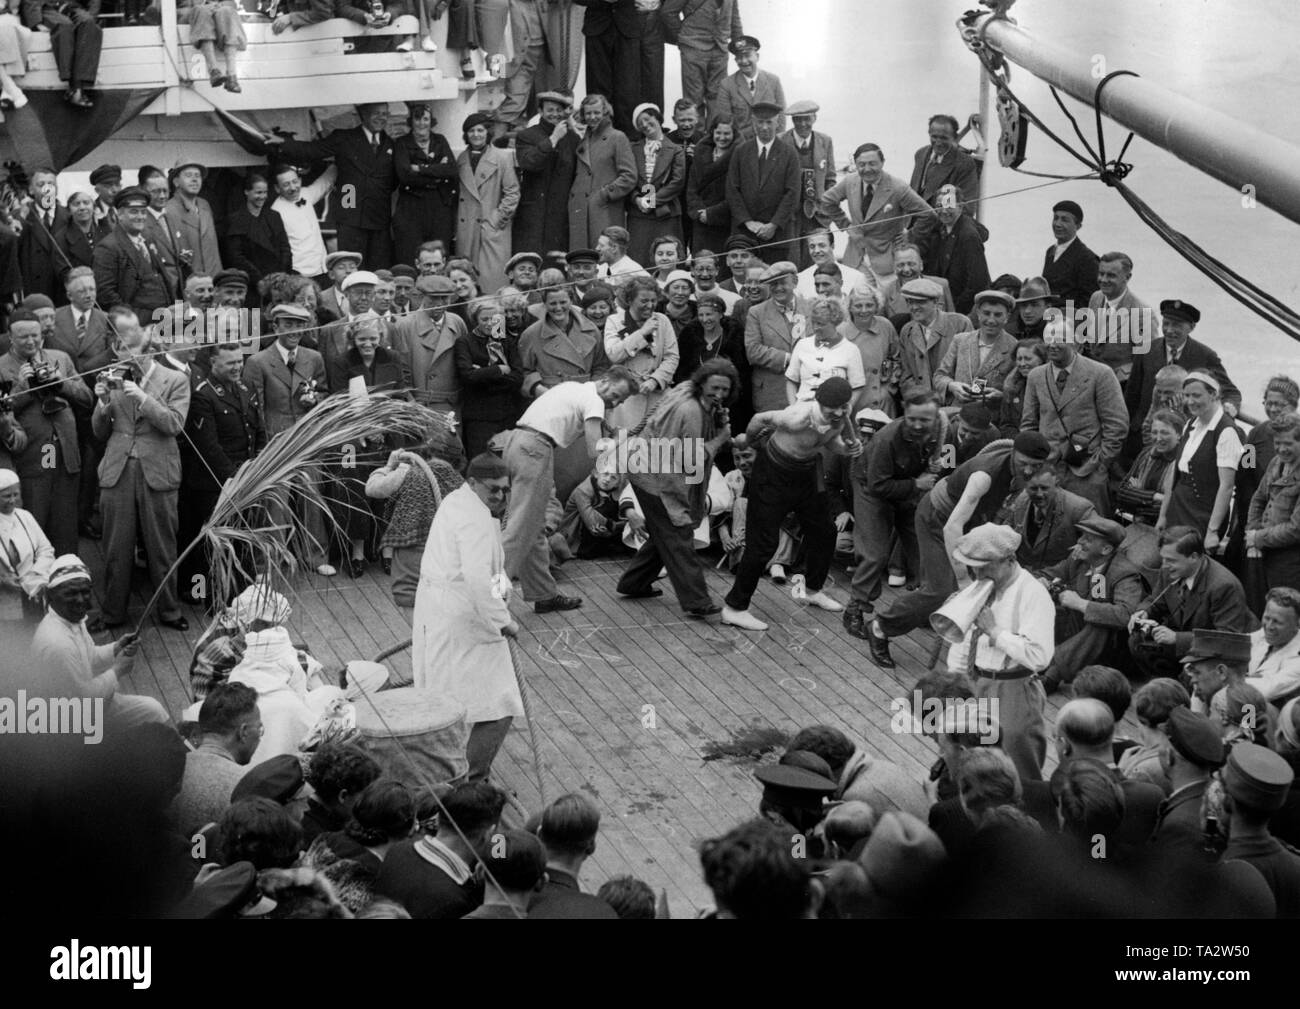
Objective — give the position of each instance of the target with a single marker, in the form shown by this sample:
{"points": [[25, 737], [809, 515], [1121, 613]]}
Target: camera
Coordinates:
{"points": [[1146, 630], [979, 387], [306, 392], [43, 373], [1055, 587], [113, 378]]}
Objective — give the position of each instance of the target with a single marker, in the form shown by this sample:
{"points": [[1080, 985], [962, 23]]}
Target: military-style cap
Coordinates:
{"points": [[106, 175], [290, 311], [402, 270], [736, 241], [921, 289], [358, 277], [778, 270], [790, 785], [435, 283], [803, 108], [226, 893], [1001, 297], [338, 257], [131, 196], [1034, 289], [744, 42], [1195, 737], [1226, 645], [523, 257], [766, 110], [1257, 777], [559, 97], [277, 779], [1108, 529], [986, 544], [976, 415], [230, 278], [583, 256], [1175, 309]]}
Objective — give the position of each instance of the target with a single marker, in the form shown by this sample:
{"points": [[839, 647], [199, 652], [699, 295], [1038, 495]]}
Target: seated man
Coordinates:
{"points": [[1275, 647], [76, 39], [66, 663], [1096, 590], [860, 775], [231, 728], [1195, 591], [1215, 661], [215, 23], [568, 831], [1047, 518]]}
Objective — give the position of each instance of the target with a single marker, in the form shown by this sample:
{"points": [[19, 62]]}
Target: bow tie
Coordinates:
{"points": [[301, 203]]}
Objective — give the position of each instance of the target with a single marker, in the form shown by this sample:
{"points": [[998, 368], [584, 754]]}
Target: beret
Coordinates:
{"points": [[1070, 207], [1032, 444], [834, 392]]}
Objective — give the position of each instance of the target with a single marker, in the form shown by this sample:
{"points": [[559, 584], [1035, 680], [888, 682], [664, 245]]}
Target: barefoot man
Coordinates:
{"points": [[788, 478]]}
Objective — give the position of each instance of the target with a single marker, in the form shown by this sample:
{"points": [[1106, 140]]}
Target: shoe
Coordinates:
{"points": [[742, 619], [16, 99], [328, 570], [879, 645], [387, 564], [176, 624], [557, 602], [823, 602], [777, 571], [81, 101], [355, 567], [852, 620], [651, 593], [232, 85], [896, 580], [216, 78], [428, 45], [406, 46], [700, 612], [467, 67]]}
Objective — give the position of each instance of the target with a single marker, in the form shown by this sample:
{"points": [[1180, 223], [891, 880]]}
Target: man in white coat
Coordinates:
{"points": [[462, 613]]}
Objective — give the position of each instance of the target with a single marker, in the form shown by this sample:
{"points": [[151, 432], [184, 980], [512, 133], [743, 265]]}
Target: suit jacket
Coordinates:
{"points": [[962, 362], [256, 246], [146, 431], [1141, 387], [332, 305], [1216, 601], [1090, 410], [769, 196], [38, 255], [1112, 599], [372, 175], [91, 353], [892, 205], [769, 342], [668, 179], [124, 276], [958, 169], [44, 429], [958, 258], [823, 159], [546, 175], [75, 248], [267, 375], [165, 236], [734, 99], [1055, 536], [431, 347], [921, 352], [1073, 276], [705, 25], [196, 230], [1134, 324], [1180, 826], [551, 355]]}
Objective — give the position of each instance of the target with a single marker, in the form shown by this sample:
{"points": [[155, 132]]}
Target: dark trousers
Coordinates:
{"points": [[52, 500], [1154, 661], [374, 244], [1080, 644], [911, 610], [669, 546], [773, 494], [127, 505], [194, 573], [627, 71], [76, 42], [485, 740], [91, 451], [877, 521]]}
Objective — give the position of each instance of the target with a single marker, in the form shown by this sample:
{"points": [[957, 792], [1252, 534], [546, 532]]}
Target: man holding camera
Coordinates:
{"points": [[1096, 590], [44, 389], [140, 410]]}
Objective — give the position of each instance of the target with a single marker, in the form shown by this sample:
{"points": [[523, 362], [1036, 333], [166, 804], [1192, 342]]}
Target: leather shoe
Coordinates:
{"points": [[178, 624], [387, 564], [853, 620], [557, 602], [650, 593], [879, 646], [700, 612]]}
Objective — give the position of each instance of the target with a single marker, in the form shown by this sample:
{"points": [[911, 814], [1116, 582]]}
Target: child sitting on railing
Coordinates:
{"points": [[215, 23]]}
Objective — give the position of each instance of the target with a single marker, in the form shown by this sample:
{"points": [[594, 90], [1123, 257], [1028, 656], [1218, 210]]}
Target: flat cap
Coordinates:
{"points": [[559, 97], [106, 175], [182, 164], [1108, 529], [435, 283], [1032, 444], [876, 419], [334, 258], [1226, 645], [1071, 208], [277, 779], [1257, 777], [744, 42], [901, 855], [358, 277], [131, 196], [1001, 297], [986, 544], [583, 256], [290, 311], [921, 289], [402, 270], [803, 108], [736, 241], [230, 278], [790, 785], [1175, 309], [778, 270], [523, 257], [765, 110], [1195, 737]]}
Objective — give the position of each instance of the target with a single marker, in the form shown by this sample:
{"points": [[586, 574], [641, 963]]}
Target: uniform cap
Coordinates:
{"points": [[1195, 737]]}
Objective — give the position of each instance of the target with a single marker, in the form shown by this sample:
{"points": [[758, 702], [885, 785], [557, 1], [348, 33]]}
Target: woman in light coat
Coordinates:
{"points": [[489, 196], [606, 175], [644, 341]]}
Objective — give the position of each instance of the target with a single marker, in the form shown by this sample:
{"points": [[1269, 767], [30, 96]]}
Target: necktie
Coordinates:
{"points": [[1062, 377], [292, 360], [1173, 356], [81, 326], [374, 143], [49, 220], [868, 191], [751, 86], [762, 157]]}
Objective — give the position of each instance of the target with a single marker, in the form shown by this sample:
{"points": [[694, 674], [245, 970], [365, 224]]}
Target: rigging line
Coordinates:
{"points": [[1101, 133], [1099, 158]]}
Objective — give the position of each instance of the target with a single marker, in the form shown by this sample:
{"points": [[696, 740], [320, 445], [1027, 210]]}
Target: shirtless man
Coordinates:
{"points": [[787, 478], [970, 496]]}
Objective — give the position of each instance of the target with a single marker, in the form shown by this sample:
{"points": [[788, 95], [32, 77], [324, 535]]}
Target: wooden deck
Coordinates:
{"points": [[629, 696]]}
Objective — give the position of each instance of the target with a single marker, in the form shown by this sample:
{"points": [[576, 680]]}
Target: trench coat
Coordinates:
{"points": [[489, 198], [606, 174]]}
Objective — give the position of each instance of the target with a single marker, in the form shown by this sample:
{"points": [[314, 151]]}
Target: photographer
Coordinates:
{"points": [[976, 365], [1195, 591], [1095, 590], [43, 391]]}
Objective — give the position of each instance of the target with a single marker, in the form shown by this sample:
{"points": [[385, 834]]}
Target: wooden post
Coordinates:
{"points": [[171, 44]]}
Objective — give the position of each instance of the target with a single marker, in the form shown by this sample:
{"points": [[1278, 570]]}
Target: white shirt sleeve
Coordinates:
{"points": [[1228, 450]]}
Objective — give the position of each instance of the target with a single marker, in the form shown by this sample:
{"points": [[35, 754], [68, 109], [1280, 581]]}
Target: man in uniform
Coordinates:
{"points": [[740, 94], [788, 477], [1194, 753], [1256, 782], [128, 270], [223, 431]]}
